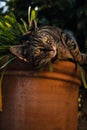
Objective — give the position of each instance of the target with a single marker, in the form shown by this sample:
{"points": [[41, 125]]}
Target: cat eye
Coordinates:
{"points": [[37, 51]]}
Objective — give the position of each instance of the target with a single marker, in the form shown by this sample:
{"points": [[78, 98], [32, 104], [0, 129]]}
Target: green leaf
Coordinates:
{"points": [[83, 77], [2, 57], [6, 63], [20, 28], [29, 15], [33, 15], [25, 24], [50, 66]]}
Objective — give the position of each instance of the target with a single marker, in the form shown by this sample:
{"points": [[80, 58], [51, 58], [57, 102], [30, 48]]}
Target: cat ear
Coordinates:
{"points": [[18, 51], [33, 25]]}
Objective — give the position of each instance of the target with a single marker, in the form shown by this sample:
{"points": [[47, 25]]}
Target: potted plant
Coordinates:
{"points": [[36, 100]]}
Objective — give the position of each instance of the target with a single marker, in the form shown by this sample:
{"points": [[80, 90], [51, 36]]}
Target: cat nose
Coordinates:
{"points": [[52, 48]]}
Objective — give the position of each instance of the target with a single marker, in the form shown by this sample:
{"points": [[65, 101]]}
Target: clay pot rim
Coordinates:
{"points": [[63, 70]]}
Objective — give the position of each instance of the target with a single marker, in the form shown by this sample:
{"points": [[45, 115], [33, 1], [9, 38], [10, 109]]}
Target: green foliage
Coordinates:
{"points": [[83, 77], [67, 14], [10, 33]]}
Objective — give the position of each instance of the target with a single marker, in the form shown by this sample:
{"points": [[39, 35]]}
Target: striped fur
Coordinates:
{"points": [[48, 44]]}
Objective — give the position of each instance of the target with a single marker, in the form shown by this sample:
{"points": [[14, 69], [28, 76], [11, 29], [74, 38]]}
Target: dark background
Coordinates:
{"points": [[67, 14]]}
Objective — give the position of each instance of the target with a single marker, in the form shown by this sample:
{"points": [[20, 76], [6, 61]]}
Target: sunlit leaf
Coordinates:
{"points": [[33, 15], [83, 77], [29, 15]]}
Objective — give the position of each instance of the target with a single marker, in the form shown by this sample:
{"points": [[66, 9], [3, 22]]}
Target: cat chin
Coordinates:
{"points": [[52, 54], [54, 51]]}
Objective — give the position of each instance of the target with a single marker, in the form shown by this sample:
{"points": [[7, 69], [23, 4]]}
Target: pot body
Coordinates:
{"points": [[41, 100]]}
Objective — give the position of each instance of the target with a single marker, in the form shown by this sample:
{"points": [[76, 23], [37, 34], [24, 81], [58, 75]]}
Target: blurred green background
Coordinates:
{"points": [[66, 14]]}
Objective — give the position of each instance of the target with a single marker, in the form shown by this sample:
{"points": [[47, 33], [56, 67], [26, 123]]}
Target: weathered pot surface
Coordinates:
{"points": [[45, 100]]}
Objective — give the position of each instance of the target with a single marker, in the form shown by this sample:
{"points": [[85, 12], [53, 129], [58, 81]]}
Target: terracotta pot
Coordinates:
{"points": [[40, 100]]}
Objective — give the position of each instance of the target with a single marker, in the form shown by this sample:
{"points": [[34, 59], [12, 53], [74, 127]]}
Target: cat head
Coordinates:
{"points": [[36, 47]]}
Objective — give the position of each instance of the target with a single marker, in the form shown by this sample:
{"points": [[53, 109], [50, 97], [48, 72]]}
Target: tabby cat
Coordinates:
{"points": [[41, 45]]}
